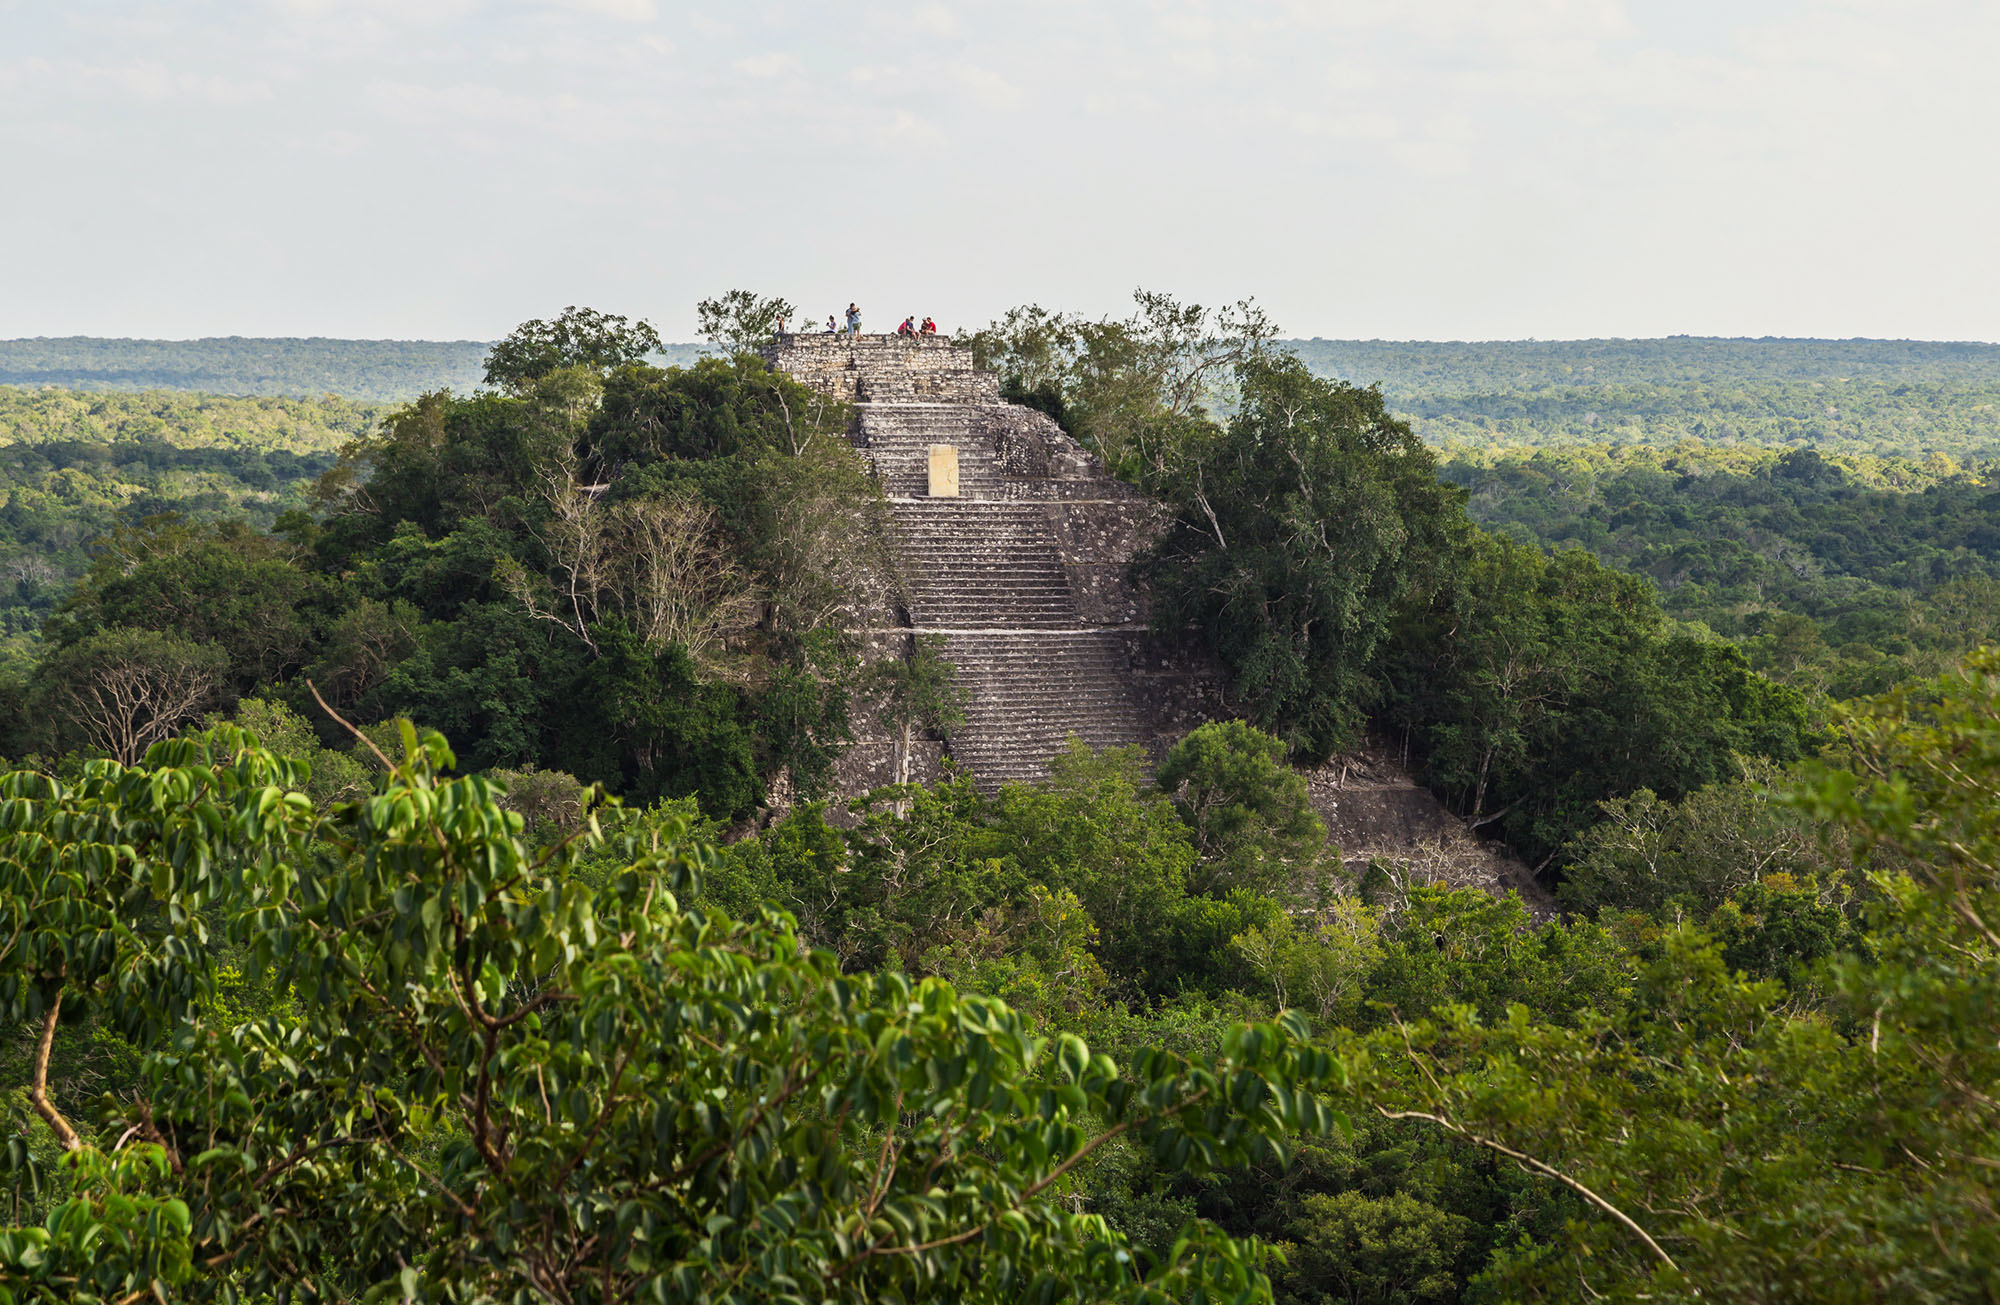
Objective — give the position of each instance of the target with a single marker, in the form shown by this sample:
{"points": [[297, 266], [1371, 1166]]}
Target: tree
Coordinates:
{"points": [[652, 562], [221, 584], [489, 1079], [919, 690], [1535, 687], [1297, 534], [1137, 390], [829, 548], [1316, 962], [718, 408], [121, 690], [360, 647], [1514, 638], [741, 321], [679, 736], [1250, 814], [1646, 853], [1099, 828], [579, 337], [332, 776], [1396, 1249]]}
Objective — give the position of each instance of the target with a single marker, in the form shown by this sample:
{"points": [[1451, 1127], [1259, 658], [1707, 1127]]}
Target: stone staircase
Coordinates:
{"points": [[991, 569], [981, 564], [1030, 690], [896, 438]]}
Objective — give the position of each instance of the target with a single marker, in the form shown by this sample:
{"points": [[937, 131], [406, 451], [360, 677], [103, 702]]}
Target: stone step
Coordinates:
{"points": [[1028, 694]]}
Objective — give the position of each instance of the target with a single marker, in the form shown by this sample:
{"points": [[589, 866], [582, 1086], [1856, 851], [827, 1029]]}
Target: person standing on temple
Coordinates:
{"points": [[853, 320]]}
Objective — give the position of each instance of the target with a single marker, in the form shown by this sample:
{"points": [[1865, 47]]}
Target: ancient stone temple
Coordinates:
{"points": [[1015, 545]]}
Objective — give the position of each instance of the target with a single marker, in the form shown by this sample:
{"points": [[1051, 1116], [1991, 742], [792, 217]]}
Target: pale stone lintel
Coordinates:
{"points": [[1023, 502], [1049, 631]]}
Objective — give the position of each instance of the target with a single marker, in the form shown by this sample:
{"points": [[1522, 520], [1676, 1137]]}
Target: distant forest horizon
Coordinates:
{"points": [[391, 370], [1911, 399]]}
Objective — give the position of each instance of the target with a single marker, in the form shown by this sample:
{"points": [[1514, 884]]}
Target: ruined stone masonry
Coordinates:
{"points": [[1016, 545]]}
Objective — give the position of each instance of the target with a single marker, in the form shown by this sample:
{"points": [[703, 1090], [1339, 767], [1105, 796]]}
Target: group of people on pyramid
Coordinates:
{"points": [[910, 326]]}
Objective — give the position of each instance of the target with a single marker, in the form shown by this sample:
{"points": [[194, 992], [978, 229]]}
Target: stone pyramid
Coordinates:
{"points": [[1015, 544]]}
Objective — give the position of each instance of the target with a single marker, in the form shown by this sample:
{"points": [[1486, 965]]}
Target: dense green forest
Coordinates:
{"points": [[396, 910], [77, 467], [1494, 366], [185, 420], [1846, 574]]}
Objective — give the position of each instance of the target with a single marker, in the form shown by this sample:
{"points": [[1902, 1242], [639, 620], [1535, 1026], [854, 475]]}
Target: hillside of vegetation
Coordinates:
{"points": [[395, 911]]}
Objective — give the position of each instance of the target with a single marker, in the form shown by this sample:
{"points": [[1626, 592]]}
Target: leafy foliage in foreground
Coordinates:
{"points": [[330, 1036], [1744, 1142], [473, 1074]]}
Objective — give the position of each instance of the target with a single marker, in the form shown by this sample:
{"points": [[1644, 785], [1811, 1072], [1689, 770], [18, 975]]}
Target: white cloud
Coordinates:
{"points": [[905, 128], [423, 13], [1188, 27], [340, 144], [934, 20], [630, 11], [1520, 20], [770, 65], [150, 81], [1363, 125], [988, 87], [468, 104]]}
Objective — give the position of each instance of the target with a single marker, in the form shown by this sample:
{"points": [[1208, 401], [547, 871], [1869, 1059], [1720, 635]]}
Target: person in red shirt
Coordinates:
{"points": [[929, 327]]}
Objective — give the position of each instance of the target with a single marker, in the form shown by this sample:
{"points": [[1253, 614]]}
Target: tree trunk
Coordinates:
{"points": [[903, 767]]}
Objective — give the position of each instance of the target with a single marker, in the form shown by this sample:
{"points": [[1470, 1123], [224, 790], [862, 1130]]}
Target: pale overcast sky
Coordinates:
{"points": [[1434, 169]]}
